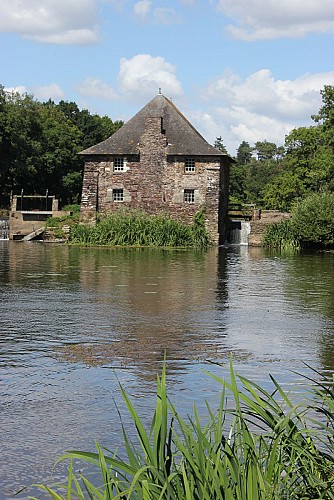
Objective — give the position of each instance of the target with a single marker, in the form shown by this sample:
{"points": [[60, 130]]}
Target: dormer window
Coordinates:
{"points": [[189, 165], [119, 164]]}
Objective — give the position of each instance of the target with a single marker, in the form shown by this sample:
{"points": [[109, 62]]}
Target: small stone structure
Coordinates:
{"points": [[159, 163], [29, 213], [247, 225], [259, 225]]}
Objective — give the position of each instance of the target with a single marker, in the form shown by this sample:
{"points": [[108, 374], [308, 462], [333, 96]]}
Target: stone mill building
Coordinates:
{"points": [[159, 163]]}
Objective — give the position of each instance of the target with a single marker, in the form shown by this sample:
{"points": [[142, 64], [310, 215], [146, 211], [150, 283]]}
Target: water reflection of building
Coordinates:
{"points": [[152, 301]]}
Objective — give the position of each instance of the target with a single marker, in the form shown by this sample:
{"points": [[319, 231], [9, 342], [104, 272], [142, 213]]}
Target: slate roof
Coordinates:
{"points": [[182, 137]]}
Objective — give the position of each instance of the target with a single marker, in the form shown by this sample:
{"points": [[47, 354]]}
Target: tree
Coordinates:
{"points": [[238, 173], [310, 156], [39, 145], [283, 191], [326, 112], [268, 151], [94, 128], [308, 164], [313, 220], [244, 153], [220, 145]]}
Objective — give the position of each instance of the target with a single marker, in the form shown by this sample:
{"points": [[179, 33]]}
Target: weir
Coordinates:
{"points": [[237, 232], [4, 228]]}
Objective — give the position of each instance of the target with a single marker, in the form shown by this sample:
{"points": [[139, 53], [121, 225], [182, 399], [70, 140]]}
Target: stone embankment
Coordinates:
{"points": [[259, 225]]}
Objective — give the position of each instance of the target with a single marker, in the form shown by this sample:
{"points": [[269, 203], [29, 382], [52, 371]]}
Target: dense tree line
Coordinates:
{"points": [[39, 145], [40, 141], [276, 177]]}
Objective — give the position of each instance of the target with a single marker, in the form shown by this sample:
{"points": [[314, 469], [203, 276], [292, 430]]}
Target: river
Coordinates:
{"points": [[77, 321]]}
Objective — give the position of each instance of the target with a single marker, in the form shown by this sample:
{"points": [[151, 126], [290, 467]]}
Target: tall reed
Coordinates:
{"points": [[281, 236], [256, 445], [140, 229]]}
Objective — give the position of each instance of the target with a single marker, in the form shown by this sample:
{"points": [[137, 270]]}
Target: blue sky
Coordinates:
{"points": [[241, 69]]}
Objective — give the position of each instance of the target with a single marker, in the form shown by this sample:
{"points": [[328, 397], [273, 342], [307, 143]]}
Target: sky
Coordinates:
{"points": [[243, 70]]}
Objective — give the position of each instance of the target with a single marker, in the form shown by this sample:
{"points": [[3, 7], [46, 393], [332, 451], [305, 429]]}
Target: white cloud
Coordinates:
{"points": [[143, 75], [144, 13], [165, 15], [259, 20], [142, 9], [70, 37], [259, 107], [93, 87], [42, 93], [20, 89], [51, 21], [52, 91]]}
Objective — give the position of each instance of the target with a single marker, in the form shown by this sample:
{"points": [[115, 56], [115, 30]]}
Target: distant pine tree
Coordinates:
{"points": [[220, 145]]}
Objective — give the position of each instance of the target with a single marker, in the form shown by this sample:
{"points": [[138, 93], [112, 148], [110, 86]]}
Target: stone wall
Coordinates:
{"points": [[155, 182], [89, 195], [258, 227]]}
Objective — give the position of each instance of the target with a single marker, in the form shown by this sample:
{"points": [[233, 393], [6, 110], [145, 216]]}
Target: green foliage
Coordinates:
{"points": [[131, 228], [281, 236], [250, 177], [310, 157], [75, 208], [326, 112], [39, 145], [282, 192], [93, 127], [244, 153], [55, 225], [311, 225], [268, 150], [71, 184], [313, 220], [258, 174], [281, 176], [219, 144], [258, 445]]}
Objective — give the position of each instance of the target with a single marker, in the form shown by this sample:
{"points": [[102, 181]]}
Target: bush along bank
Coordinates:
{"points": [[257, 446], [311, 225], [140, 229]]}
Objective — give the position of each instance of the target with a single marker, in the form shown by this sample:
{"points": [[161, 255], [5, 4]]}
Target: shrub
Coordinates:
{"points": [[75, 208], [313, 220], [58, 227], [311, 225]]}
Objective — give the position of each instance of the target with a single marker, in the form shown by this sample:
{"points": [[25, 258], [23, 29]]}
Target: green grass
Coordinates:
{"points": [[55, 224], [281, 236], [256, 445], [139, 229]]}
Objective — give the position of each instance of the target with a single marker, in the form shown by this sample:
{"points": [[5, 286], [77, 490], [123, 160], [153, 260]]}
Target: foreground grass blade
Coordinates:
{"points": [[255, 446]]}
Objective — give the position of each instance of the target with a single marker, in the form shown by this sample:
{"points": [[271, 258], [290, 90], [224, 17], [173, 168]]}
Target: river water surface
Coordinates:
{"points": [[75, 322]]}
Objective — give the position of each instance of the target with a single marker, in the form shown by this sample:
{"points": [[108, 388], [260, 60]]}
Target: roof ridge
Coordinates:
{"points": [[183, 138]]}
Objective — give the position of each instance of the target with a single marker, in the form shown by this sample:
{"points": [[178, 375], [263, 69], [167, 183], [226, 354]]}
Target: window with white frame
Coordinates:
{"points": [[118, 164], [117, 195], [189, 165], [189, 196]]}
